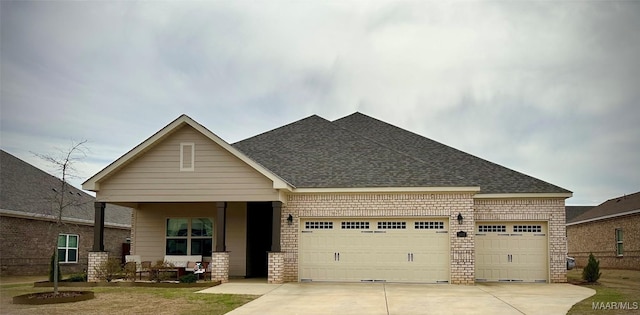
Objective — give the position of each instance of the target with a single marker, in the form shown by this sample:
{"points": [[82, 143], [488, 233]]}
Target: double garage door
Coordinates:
{"points": [[370, 250], [511, 251]]}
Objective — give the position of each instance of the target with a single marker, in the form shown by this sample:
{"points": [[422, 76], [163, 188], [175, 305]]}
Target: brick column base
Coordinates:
{"points": [[276, 267], [220, 269], [96, 259]]}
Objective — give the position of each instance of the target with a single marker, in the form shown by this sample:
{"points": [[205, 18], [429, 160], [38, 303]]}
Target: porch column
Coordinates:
{"points": [[98, 227], [220, 227], [275, 224]]}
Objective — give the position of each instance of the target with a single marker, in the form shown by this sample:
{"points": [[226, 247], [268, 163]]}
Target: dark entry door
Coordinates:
{"points": [[259, 227]]}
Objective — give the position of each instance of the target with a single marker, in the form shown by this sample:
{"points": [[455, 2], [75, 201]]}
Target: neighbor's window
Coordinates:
{"points": [[189, 236], [68, 248], [619, 247]]}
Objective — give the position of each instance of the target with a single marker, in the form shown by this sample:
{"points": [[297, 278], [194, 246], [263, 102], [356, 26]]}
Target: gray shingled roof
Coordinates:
{"points": [[360, 151], [573, 211], [610, 207], [25, 188]]}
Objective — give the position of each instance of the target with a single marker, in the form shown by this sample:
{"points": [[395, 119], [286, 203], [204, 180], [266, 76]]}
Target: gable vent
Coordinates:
{"points": [[187, 156]]}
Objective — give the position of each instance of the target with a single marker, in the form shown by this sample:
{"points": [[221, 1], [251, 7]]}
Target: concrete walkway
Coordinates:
{"points": [[393, 298]]}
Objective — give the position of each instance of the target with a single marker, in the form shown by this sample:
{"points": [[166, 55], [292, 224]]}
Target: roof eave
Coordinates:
{"points": [[470, 189], [523, 195], [610, 216]]}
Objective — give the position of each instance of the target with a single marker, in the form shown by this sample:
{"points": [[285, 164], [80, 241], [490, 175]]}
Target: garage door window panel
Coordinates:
{"points": [[392, 225]]}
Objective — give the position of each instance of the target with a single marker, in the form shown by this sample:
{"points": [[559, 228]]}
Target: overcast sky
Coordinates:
{"points": [[547, 88]]}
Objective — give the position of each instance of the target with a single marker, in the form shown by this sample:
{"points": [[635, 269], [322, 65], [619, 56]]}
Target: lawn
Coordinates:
{"points": [[613, 286], [125, 300]]}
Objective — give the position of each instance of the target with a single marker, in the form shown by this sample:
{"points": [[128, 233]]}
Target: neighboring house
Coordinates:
{"points": [[611, 231], [27, 222], [354, 199]]}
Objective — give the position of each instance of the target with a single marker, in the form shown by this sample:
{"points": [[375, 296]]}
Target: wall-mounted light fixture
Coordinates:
{"points": [[290, 219], [460, 218]]}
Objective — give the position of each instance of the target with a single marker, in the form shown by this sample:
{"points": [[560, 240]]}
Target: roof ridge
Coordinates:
{"points": [[314, 116], [378, 142]]}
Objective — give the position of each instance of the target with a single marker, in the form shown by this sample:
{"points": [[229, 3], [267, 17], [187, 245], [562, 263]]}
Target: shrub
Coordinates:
{"points": [[130, 269], [591, 273], [51, 268], [78, 277], [109, 269], [188, 278]]}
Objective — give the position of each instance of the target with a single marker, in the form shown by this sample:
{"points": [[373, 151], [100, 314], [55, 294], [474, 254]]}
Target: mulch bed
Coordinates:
{"points": [[129, 284], [51, 298]]}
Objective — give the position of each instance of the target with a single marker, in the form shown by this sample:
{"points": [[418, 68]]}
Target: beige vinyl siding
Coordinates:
{"points": [[155, 176], [150, 220], [236, 238]]}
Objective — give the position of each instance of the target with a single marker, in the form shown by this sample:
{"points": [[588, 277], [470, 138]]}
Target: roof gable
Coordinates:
{"points": [[93, 183]]}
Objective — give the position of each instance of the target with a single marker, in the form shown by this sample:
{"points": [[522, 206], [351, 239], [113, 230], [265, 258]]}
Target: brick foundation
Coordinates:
{"points": [[220, 269], [96, 259], [276, 267]]}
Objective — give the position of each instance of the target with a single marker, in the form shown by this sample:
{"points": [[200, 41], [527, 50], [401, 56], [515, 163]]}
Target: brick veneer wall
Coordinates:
{"points": [[380, 205], [598, 237], [550, 210], [220, 269], [27, 245]]}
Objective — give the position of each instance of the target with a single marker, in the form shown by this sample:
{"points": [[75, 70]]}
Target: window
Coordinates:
{"points": [[390, 225], [429, 225], [187, 156], [527, 228], [68, 248], [358, 225], [192, 236], [318, 225], [619, 246], [492, 228]]}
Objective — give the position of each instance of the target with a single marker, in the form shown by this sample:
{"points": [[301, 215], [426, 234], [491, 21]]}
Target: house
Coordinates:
{"points": [[27, 222], [611, 231], [355, 199]]}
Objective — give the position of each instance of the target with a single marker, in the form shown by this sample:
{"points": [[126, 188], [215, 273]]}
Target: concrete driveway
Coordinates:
{"points": [[392, 298]]}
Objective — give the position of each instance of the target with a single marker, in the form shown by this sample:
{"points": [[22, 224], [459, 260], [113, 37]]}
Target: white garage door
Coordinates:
{"points": [[511, 251], [395, 250]]}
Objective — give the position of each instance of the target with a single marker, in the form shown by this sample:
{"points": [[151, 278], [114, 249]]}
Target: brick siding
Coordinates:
{"points": [[435, 205], [598, 237], [549, 210], [27, 245]]}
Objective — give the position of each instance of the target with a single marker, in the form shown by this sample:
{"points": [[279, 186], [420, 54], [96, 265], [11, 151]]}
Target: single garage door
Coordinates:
{"points": [[394, 250], [511, 251]]}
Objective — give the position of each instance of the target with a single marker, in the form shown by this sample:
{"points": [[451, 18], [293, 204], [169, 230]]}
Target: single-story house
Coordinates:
{"points": [[611, 231], [27, 222], [355, 199]]}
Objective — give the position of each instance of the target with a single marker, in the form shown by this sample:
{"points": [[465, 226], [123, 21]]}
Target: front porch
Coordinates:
{"points": [[238, 239]]}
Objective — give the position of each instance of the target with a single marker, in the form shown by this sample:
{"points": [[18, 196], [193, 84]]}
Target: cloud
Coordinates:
{"points": [[548, 89]]}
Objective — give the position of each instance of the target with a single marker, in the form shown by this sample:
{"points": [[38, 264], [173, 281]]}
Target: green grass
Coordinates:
{"points": [[613, 286]]}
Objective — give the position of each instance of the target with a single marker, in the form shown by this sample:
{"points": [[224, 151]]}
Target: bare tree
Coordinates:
{"points": [[64, 162]]}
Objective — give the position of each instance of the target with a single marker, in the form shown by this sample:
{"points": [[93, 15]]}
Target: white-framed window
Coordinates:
{"points": [[189, 236], [68, 248], [619, 245], [187, 156], [392, 225], [318, 225], [429, 225], [355, 225]]}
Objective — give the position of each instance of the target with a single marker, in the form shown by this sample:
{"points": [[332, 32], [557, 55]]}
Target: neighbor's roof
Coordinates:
{"points": [[573, 211], [619, 206], [360, 151], [29, 190]]}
